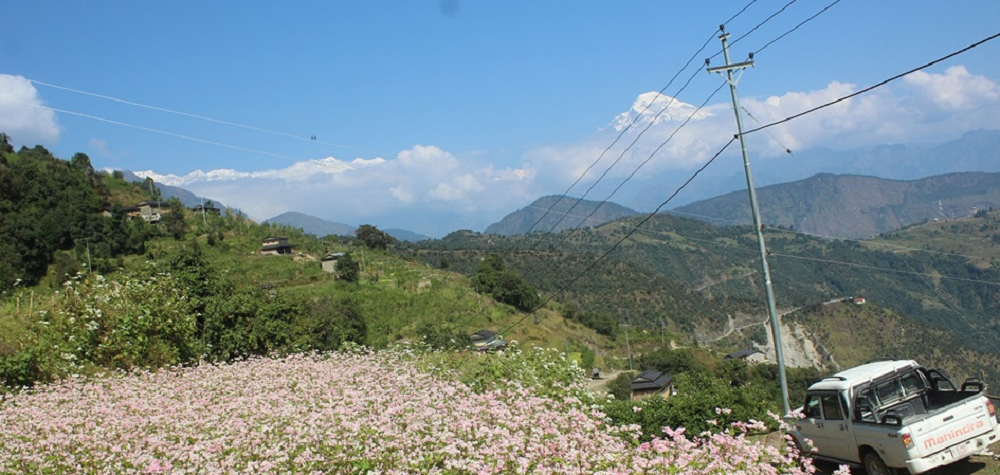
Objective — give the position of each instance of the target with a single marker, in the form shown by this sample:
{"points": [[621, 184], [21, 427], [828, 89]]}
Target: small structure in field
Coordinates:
{"points": [[652, 383], [276, 246], [329, 262]]}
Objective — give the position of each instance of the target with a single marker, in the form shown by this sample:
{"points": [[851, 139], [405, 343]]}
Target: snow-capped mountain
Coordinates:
{"points": [[656, 108], [298, 171]]}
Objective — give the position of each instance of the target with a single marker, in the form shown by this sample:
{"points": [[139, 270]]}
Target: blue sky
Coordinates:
{"points": [[457, 111]]}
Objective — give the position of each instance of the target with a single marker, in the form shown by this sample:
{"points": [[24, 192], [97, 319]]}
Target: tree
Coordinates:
{"points": [[348, 269], [174, 218], [493, 278], [5, 146], [373, 237]]}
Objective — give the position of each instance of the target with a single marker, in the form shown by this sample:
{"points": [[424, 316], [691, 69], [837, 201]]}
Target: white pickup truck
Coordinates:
{"points": [[895, 416]]}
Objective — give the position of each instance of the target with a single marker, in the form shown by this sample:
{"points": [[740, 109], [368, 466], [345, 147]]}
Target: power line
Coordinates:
{"points": [[310, 139], [622, 133], [626, 236], [636, 140], [880, 84], [199, 117], [636, 170], [883, 269], [615, 141], [150, 129], [748, 33], [807, 20], [631, 124]]}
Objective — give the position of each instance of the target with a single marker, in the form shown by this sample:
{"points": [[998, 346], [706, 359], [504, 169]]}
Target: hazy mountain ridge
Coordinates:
{"points": [[312, 225], [320, 227], [558, 213], [851, 206]]}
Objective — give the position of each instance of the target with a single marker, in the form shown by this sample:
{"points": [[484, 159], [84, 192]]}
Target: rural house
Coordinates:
{"points": [[276, 246], [329, 262], [151, 210], [652, 383], [749, 355], [208, 208], [485, 340]]}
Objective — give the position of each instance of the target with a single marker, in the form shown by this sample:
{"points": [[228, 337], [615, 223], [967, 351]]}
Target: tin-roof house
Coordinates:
{"points": [[652, 383]]}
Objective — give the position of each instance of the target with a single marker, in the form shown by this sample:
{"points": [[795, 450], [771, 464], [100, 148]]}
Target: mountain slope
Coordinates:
{"points": [[167, 191], [849, 206], [566, 213], [312, 225]]}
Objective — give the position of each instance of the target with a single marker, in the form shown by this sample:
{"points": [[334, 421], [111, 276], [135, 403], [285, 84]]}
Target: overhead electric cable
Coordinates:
{"points": [[883, 269], [625, 237], [148, 129], [880, 84], [631, 124], [749, 32], [650, 157], [244, 126], [953, 309], [622, 133], [629, 147], [199, 117], [807, 20], [195, 139]]}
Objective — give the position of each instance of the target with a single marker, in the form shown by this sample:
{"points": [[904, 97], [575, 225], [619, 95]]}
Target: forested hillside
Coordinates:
{"points": [[51, 214], [558, 213], [692, 277]]}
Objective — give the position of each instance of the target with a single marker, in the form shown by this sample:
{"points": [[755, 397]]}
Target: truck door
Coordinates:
{"points": [[826, 424]]}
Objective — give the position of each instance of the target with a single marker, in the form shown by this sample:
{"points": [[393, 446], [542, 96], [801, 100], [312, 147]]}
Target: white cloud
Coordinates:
{"points": [[430, 190], [415, 190], [956, 89], [20, 116], [924, 108]]}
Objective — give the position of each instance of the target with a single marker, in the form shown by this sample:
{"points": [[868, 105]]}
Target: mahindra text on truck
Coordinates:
{"points": [[894, 415]]}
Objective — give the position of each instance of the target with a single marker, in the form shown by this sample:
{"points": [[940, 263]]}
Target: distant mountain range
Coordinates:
{"points": [[321, 227], [843, 206], [797, 190], [312, 225], [975, 151], [557, 213], [850, 206]]}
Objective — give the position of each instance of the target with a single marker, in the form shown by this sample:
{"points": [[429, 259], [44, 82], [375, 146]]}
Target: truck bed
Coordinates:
{"points": [[928, 404]]}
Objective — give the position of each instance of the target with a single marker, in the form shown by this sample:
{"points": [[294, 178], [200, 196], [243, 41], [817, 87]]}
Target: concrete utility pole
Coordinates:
{"points": [[775, 326]]}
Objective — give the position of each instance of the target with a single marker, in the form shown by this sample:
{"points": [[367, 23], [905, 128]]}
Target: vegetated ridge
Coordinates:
{"points": [[320, 227], [696, 281], [558, 213], [312, 225], [851, 206]]}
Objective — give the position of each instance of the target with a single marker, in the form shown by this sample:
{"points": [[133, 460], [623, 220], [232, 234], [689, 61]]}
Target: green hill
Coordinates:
{"points": [[557, 213]]}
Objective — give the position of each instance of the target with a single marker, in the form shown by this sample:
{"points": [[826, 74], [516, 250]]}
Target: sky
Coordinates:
{"points": [[439, 115]]}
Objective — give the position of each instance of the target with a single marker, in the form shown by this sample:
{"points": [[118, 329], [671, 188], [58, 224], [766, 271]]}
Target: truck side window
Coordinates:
{"points": [[831, 408], [812, 407]]}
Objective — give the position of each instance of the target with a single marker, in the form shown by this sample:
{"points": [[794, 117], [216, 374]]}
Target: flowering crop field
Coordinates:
{"points": [[358, 412]]}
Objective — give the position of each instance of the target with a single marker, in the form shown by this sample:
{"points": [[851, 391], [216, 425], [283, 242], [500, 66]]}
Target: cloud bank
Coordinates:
{"points": [[432, 191], [20, 116]]}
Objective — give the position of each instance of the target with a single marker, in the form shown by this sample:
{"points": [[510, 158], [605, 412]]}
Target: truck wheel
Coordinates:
{"points": [[874, 464]]}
